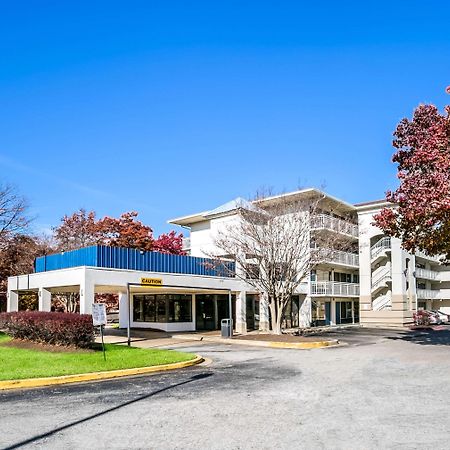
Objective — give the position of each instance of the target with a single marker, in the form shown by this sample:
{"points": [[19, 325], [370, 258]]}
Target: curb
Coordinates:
{"points": [[273, 344], [94, 376]]}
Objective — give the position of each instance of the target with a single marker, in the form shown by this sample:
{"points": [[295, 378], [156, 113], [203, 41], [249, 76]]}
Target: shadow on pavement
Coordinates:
{"points": [[426, 337], [196, 377]]}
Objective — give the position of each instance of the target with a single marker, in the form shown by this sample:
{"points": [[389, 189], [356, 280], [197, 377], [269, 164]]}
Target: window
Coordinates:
{"points": [[180, 308], [162, 308]]}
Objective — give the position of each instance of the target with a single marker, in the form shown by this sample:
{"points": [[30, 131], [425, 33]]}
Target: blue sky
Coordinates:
{"points": [[170, 108]]}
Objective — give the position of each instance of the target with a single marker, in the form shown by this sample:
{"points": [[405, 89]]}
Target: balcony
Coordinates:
{"points": [[428, 294], [424, 255], [380, 248], [426, 274], [338, 257], [334, 288], [330, 223]]}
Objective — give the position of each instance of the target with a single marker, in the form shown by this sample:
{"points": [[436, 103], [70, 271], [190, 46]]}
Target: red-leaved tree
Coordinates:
{"points": [[420, 216], [82, 228], [169, 243]]}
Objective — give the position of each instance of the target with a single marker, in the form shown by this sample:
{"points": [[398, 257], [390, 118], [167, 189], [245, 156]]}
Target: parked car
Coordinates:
{"points": [[424, 317], [442, 316], [434, 317]]}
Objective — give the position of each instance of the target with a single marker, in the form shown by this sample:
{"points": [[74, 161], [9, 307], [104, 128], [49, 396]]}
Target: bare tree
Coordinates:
{"points": [[270, 240], [13, 218], [67, 301]]}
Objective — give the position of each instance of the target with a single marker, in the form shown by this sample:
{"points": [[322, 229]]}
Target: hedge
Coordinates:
{"points": [[49, 327]]}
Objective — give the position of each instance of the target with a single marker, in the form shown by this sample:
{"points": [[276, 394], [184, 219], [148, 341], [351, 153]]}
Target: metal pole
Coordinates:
{"points": [[129, 315], [230, 306], [103, 342]]}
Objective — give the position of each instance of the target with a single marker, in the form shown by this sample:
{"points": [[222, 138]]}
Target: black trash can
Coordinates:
{"points": [[226, 326]]}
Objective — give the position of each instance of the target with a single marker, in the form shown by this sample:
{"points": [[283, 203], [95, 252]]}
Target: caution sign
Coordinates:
{"points": [[151, 281]]}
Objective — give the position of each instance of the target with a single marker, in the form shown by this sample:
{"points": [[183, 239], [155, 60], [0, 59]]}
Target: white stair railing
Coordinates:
{"points": [[383, 244], [381, 279], [382, 302]]}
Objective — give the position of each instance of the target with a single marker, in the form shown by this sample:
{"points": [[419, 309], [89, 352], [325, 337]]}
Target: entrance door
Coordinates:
{"points": [[205, 312], [338, 312]]}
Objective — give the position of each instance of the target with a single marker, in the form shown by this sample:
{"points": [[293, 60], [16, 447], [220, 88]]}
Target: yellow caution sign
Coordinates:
{"points": [[151, 281]]}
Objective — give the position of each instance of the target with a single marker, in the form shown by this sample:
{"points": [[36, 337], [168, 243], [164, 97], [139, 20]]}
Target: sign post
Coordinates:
{"points": [[99, 320]]}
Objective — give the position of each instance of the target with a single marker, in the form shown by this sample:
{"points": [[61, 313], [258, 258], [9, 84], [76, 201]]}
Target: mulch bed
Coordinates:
{"points": [[29, 345], [280, 338]]}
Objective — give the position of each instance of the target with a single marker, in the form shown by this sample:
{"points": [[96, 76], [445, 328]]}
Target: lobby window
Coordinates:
{"points": [[180, 308], [162, 308]]}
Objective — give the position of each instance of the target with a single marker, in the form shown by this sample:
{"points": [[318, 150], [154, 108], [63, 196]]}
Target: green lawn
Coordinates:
{"points": [[18, 363]]}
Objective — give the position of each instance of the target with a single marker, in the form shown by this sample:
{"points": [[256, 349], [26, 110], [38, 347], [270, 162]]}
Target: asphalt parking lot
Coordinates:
{"points": [[382, 390]]}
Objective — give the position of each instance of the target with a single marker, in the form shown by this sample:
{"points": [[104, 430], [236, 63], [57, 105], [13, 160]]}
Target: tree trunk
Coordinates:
{"points": [[276, 317]]}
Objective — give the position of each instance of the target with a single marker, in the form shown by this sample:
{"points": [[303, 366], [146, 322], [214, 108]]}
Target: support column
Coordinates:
{"points": [[86, 297], [45, 299], [12, 301], [333, 311], [123, 310], [305, 313], [241, 312], [264, 313]]}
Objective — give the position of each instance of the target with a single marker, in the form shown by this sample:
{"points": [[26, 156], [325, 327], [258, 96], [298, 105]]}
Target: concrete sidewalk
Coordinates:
{"points": [[154, 339]]}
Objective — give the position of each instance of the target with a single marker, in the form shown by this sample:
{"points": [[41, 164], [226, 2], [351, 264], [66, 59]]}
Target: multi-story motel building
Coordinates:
{"points": [[373, 282]]}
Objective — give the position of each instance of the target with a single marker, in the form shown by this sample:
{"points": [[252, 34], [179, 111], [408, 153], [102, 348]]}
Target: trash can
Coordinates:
{"points": [[226, 326]]}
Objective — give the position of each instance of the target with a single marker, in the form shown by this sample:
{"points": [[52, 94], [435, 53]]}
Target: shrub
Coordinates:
{"points": [[49, 327], [422, 317]]}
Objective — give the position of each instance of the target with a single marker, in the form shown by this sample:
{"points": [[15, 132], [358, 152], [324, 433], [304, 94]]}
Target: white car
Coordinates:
{"points": [[442, 316]]}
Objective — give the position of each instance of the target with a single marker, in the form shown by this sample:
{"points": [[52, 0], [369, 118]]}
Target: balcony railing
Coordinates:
{"points": [[338, 257], [331, 288], [383, 244], [426, 274], [426, 256], [428, 294], [327, 222]]}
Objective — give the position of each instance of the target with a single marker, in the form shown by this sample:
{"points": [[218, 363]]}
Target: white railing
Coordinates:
{"points": [[383, 244], [381, 279], [426, 273], [339, 257], [428, 294], [327, 222], [334, 288], [382, 302], [426, 256]]}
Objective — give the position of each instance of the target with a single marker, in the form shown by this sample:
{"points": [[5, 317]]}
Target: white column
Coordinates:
{"points": [[86, 297], [45, 299], [123, 310], [333, 311], [12, 302], [305, 313], [241, 312], [264, 313]]}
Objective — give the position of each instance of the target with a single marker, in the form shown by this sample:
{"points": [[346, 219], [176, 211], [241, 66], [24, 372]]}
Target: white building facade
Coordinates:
{"points": [[373, 281]]}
